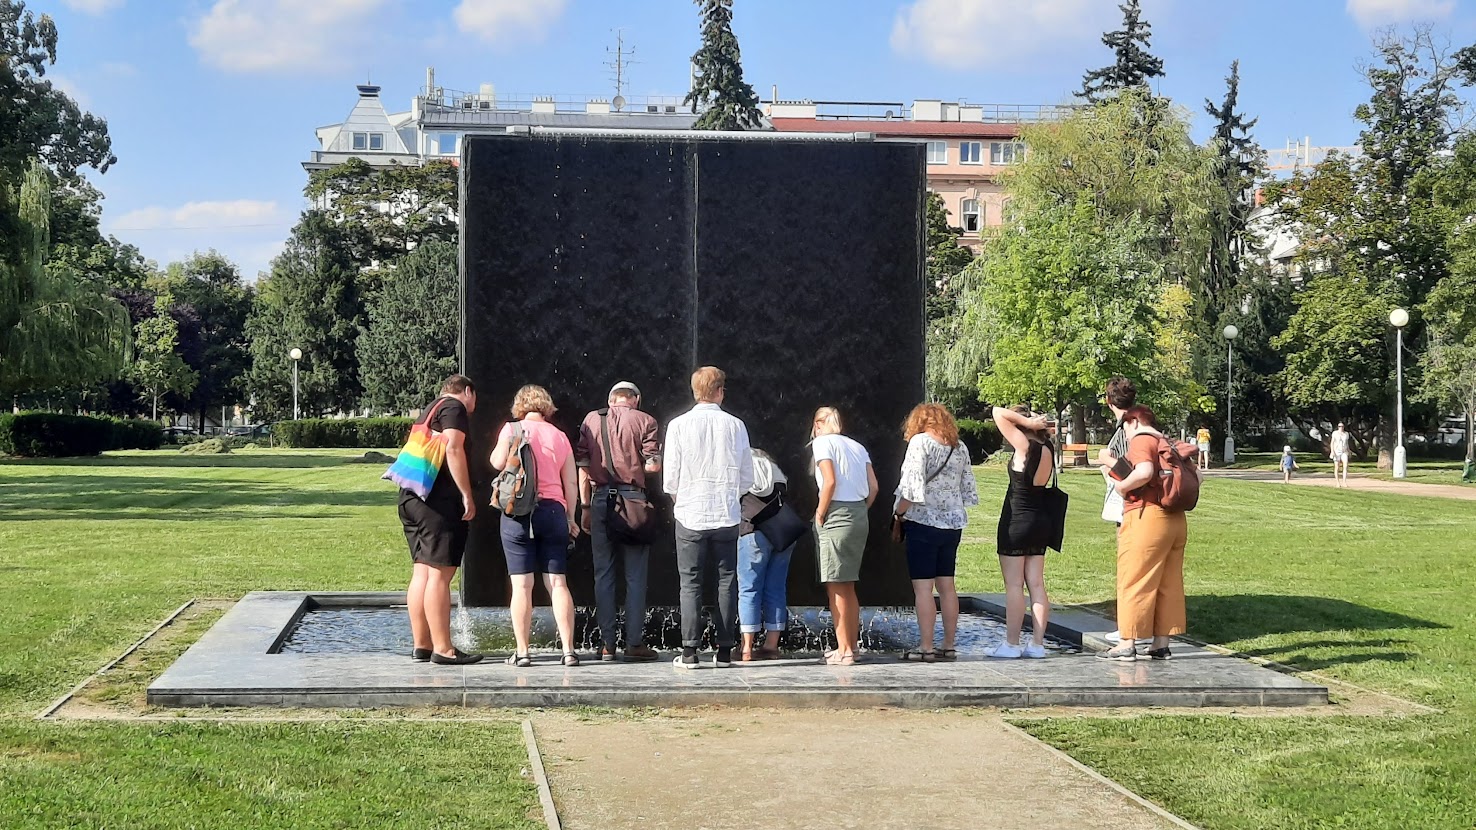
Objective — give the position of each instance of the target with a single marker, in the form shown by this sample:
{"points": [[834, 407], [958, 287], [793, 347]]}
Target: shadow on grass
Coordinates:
{"points": [[104, 498], [164, 458], [1247, 616]]}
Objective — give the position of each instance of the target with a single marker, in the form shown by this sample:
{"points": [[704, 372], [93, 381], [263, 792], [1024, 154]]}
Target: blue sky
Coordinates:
{"points": [[212, 103]]}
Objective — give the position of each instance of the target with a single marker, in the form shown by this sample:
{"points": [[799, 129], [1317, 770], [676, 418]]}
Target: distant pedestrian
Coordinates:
{"points": [[935, 491], [1026, 527], [538, 543], [763, 562], [1288, 463], [634, 452], [708, 467], [847, 489], [1338, 450], [436, 526], [1203, 439]]}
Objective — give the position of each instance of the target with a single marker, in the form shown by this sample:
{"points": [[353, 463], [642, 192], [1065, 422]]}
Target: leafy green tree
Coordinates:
{"points": [[946, 260], [384, 213], [410, 344], [157, 368], [55, 323], [720, 96], [310, 301], [1065, 302], [37, 120], [210, 286], [1133, 65]]}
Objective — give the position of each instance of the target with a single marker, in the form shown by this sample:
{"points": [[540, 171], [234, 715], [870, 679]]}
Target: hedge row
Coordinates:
{"points": [[343, 432], [982, 438], [49, 435]]}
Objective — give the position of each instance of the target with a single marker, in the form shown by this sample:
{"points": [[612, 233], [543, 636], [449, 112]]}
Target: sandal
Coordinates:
{"points": [[570, 659], [948, 655], [918, 656], [520, 661]]}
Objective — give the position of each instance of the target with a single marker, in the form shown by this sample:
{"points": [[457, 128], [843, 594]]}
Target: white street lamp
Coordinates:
{"points": [[296, 355], [1230, 333], [1399, 318]]}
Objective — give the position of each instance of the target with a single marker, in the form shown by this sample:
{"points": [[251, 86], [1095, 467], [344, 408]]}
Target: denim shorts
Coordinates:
{"points": [[538, 543], [931, 551]]}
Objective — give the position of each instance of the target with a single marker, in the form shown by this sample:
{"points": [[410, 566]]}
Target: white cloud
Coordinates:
{"points": [[92, 6], [282, 35], [70, 87], [223, 215], [506, 20], [1373, 13], [971, 34]]}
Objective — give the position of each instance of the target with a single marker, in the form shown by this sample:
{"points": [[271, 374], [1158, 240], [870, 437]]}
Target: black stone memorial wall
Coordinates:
{"points": [[796, 266]]}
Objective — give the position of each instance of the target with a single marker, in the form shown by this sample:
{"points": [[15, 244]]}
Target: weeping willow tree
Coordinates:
{"points": [[58, 328]]}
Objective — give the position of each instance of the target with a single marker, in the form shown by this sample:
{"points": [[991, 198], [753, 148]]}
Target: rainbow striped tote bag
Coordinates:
{"points": [[420, 460]]}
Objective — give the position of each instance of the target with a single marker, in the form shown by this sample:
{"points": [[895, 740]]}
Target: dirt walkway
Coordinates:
{"points": [[1371, 485], [712, 769]]}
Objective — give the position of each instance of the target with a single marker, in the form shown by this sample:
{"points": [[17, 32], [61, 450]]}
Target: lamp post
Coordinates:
{"points": [[296, 355], [1399, 318], [1230, 333]]}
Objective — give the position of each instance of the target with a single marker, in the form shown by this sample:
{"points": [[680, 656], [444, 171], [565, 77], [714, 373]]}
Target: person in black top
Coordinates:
{"points": [[436, 528], [1025, 527]]}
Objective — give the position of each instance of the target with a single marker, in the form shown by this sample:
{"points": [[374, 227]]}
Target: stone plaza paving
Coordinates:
{"points": [[236, 664]]}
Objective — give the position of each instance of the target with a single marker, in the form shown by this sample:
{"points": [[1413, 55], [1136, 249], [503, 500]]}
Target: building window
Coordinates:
{"points": [[376, 141], [441, 144], [361, 141], [937, 152], [1006, 152], [972, 218], [971, 152]]}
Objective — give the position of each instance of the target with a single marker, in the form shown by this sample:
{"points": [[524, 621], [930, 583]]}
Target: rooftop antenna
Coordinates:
{"points": [[620, 64]]}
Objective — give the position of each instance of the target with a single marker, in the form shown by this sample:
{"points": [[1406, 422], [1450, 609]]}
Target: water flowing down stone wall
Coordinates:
{"points": [[795, 266]]}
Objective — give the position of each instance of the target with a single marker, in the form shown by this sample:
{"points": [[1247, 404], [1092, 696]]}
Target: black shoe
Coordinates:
{"points": [[420, 655], [458, 658], [607, 654], [724, 658], [1160, 653]]}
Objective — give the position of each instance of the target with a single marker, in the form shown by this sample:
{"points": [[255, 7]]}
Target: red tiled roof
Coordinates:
{"points": [[897, 128]]}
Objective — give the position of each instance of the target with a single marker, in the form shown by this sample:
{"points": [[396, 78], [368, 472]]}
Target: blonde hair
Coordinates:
{"points": [[533, 398], [707, 382], [827, 417], [934, 418]]}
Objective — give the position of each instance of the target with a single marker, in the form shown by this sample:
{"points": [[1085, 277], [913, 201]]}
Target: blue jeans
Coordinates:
{"points": [[763, 574]]}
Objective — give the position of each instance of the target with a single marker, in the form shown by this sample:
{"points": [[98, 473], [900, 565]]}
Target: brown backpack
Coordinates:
{"points": [[1178, 475]]}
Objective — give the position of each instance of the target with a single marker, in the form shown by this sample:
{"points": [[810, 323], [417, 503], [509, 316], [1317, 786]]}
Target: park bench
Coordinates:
{"points": [[1077, 455]]}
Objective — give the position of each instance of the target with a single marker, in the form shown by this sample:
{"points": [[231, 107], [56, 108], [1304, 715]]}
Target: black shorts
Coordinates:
{"points": [[436, 533]]}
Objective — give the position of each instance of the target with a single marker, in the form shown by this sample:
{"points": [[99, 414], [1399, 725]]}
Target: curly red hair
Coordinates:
{"points": [[934, 418]]}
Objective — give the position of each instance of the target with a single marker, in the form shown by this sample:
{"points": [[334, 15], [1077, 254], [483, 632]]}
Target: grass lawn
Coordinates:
{"points": [[1370, 588], [93, 553]]}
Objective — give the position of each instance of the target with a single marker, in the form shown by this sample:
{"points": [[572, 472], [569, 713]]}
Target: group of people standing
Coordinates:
{"points": [[733, 518]]}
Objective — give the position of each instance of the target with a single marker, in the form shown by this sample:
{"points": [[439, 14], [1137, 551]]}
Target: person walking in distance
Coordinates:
{"points": [[708, 468], [1339, 449], [435, 528], [1202, 438], [618, 448]]}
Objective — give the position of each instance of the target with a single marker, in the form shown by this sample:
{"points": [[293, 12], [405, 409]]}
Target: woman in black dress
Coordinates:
{"points": [[1025, 527]]}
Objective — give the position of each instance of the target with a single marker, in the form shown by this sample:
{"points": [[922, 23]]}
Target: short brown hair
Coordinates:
{"points": [[456, 384], [931, 417], [1121, 393], [533, 398], [707, 382]]}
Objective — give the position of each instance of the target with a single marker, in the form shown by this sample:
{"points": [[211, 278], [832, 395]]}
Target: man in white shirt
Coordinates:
{"points": [[709, 466], [1338, 448]]}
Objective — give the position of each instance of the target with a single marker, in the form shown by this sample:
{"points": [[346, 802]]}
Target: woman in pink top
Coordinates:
{"points": [[539, 543]]}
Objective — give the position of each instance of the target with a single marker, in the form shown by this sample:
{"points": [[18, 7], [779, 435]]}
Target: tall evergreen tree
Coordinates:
{"points": [[409, 346], [1133, 66], [720, 96]]}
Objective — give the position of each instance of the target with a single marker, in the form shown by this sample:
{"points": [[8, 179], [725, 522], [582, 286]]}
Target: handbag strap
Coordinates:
{"points": [[431, 415], [609, 455], [941, 467]]}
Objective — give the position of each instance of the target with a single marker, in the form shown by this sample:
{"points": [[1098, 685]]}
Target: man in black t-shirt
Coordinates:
{"points": [[436, 527]]}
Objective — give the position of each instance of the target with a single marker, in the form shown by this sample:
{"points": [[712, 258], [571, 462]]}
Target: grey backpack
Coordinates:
{"points": [[515, 490]]}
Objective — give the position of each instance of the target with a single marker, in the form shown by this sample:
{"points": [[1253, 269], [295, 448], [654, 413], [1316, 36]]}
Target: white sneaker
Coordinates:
{"points": [[1035, 651], [1116, 638], [1005, 651]]}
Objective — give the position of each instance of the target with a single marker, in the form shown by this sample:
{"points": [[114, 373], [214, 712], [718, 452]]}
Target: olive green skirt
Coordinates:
{"points": [[841, 541]]}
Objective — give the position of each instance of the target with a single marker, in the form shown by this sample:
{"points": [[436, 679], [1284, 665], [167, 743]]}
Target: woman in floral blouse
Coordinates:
{"points": [[933, 498]]}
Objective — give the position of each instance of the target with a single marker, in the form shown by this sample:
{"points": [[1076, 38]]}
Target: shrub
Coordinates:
{"points": [[49, 435], [136, 434], [982, 438], [210, 446], [343, 432]]}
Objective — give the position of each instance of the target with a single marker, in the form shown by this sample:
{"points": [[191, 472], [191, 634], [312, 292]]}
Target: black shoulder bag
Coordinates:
{"points": [[899, 525], [1055, 501], [629, 520]]}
